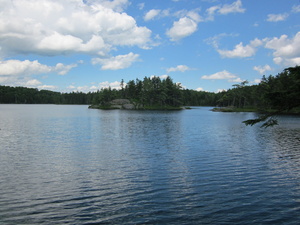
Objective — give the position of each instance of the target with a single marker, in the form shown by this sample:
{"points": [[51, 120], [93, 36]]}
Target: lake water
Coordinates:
{"points": [[73, 165]]}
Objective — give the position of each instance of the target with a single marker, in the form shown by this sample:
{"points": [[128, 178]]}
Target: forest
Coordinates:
{"points": [[273, 95], [148, 92]]}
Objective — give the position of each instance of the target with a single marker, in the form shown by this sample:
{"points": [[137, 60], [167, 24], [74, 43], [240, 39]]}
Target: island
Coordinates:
{"points": [[279, 94], [152, 93]]}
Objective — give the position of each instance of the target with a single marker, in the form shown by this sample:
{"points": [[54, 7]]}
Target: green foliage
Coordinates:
{"points": [[268, 120], [148, 93], [23, 95], [153, 92], [274, 95]]}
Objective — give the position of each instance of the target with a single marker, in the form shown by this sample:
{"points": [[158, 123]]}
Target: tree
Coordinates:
{"points": [[280, 94]]}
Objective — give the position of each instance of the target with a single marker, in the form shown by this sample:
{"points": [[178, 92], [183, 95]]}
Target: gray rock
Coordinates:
{"points": [[128, 106], [120, 102]]}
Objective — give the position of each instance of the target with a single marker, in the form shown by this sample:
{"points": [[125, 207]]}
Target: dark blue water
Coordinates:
{"points": [[74, 165]]}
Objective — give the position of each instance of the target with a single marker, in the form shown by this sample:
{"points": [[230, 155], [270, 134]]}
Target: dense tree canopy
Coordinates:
{"points": [[277, 94]]}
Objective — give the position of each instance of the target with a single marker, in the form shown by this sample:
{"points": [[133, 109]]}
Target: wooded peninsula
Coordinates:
{"points": [[274, 94]]}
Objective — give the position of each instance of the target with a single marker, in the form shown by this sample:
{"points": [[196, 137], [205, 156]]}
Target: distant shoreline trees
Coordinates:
{"points": [[274, 95], [152, 91]]}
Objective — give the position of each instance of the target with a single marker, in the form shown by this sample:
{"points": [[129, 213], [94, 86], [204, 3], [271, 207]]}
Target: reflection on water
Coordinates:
{"points": [[72, 165]]}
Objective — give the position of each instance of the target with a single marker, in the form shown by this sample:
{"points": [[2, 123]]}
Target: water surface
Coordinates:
{"points": [[73, 165]]}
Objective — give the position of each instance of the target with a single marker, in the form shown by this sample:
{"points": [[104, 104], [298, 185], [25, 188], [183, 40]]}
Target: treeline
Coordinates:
{"points": [[149, 91], [157, 92], [23, 95], [280, 93]]}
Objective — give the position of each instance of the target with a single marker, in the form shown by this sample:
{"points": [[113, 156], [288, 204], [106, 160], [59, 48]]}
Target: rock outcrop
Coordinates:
{"points": [[116, 104], [121, 104]]}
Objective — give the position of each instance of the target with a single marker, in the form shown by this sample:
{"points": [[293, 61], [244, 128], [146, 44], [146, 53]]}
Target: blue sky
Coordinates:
{"points": [[86, 45]]}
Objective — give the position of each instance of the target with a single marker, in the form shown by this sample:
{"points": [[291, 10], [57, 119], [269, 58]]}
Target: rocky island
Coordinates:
{"points": [[131, 105], [117, 104]]}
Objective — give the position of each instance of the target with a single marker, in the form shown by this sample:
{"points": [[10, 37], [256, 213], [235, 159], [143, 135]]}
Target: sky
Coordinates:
{"points": [[86, 45]]}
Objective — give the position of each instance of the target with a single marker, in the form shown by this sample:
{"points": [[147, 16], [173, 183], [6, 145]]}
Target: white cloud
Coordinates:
{"points": [[277, 17], [180, 68], [27, 82], [163, 77], [117, 62], [47, 87], [192, 14], [117, 5], [16, 67], [199, 89], [62, 69], [286, 50], [182, 28], [211, 12], [55, 27], [94, 87], [220, 90], [26, 67], [296, 9], [33, 82], [151, 14], [241, 51], [113, 85], [141, 6], [256, 81], [235, 7], [262, 69], [223, 75], [214, 41], [236, 80]]}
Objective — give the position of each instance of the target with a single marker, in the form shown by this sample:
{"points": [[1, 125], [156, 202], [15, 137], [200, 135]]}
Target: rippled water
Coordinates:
{"points": [[74, 165]]}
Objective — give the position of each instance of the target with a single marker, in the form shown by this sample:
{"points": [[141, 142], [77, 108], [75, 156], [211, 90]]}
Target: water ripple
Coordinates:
{"points": [[79, 166]]}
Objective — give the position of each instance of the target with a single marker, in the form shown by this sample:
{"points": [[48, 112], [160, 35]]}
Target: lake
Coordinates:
{"points": [[66, 164]]}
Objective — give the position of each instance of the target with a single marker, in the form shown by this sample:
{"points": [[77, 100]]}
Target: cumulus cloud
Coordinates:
{"points": [[286, 50], [17, 67], [185, 26], [117, 62], [33, 83], [26, 67], [241, 51], [277, 17], [54, 27], [222, 75], [262, 69], [180, 68], [235, 7], [151, 14], [194, 15], [182, 28]]}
